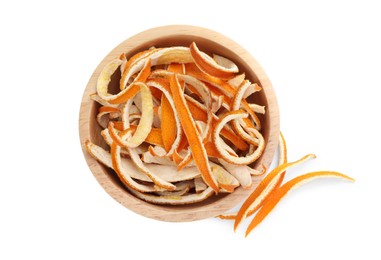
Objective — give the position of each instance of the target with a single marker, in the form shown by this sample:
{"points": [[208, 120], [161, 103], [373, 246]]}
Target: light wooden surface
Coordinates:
{"points": [[208, 41]]}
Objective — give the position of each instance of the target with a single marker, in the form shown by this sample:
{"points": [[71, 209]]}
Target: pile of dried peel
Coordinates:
{"points": [[181, 129]]}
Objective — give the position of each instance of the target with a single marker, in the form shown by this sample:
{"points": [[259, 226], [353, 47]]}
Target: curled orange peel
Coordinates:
{"points": [[157, 180], [247, 159], [124, 175], [198, 151], [210, 66], [133, 89], [133, 65], [264, 189], [174, 200], [106, 110], [199, 113], [218, 85], [105, 78], [168, 123], [171, 117], [281, 192]]}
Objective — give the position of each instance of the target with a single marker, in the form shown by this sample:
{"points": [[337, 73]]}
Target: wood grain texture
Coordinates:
{"points": [[210, 42]]}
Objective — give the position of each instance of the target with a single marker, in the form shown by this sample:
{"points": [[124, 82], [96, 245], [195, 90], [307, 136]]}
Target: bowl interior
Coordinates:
{"points": [[209, 44]]}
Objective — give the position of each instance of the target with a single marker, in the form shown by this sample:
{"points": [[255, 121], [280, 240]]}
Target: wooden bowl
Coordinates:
{"points": [[210, 42]]}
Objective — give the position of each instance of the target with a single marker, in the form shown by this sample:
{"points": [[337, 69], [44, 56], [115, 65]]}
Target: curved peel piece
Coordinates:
{"points": [[145, 124], [106, 110], [264, 189], [164, 87], [210, 66], [105, 78], [157, 180], [224, 179], [198, 151], [114, 163], [247, 159], [174, 200], [240, 172], [280, 193]]}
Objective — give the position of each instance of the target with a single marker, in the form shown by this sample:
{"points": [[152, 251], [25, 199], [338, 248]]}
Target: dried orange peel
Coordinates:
{"points": [[198, 150], [270, 190], [279, 194], [264, 189], [177, 109], [222, 68]]}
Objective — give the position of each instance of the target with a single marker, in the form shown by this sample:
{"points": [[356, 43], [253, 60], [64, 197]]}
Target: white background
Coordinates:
{"points": [[324, 60]]}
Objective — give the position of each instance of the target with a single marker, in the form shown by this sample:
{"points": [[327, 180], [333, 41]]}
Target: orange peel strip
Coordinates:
{"points": [[245, 160], [186, 160], [157, 180], [145, 123], [107, 109], [183, 143], [199, 113], [157, 151], [224, 179], [164, 88], [237, 80], [206, 64], [174, 200], [170, 55], [195, 142], [104, 110], [282, 149], [123, 58], [124, 175], [237, 102], [179, 186], [168, 122], [240, 172], [177, 158], [174, 193], [154, 137], [220, 84], [255, 172], [133, 65], [257, 108], [211, 150], [133, 88], [144, 73], [225, 63], [264, 189], [101, 101], [105, 78], [280, 193], [118, 125], [176, 68], [199, 185], [251, 90], [204, 93]]}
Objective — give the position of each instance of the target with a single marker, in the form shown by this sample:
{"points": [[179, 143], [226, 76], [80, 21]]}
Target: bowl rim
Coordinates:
{"points": [[188, 213]]}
